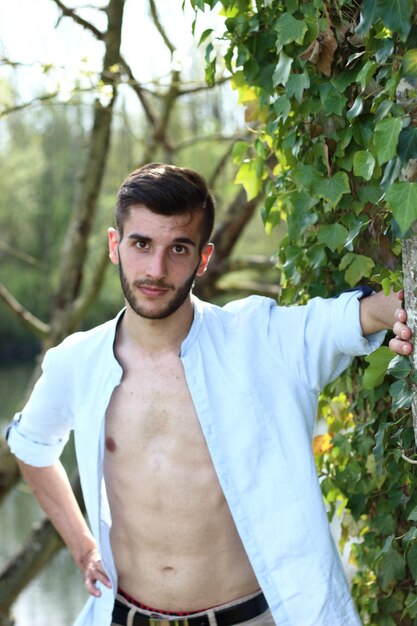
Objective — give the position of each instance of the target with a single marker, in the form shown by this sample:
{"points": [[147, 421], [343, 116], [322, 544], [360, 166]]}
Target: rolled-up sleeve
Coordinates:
{"points": [[333, 336], [38, 434], [318, 341]]}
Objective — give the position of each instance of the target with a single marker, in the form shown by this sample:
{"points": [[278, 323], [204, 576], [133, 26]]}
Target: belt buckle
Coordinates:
{"points": [[156, 619]]}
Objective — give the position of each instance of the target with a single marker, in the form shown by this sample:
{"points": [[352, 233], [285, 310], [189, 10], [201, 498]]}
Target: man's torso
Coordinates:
{"points": [[174, 542]]}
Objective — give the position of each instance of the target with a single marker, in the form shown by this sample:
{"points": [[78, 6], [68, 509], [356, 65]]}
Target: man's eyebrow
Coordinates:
{"points": [[138, 236], [184, 240]]}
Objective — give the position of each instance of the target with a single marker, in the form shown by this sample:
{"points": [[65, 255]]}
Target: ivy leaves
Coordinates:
{"points": [[331, 103]]}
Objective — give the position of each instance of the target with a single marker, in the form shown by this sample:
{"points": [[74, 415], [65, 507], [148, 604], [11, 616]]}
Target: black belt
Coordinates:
{"points": [[224, 617]]}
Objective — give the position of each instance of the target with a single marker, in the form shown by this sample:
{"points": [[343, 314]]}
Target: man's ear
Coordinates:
{"points": [[205, 255], [114, 239]]}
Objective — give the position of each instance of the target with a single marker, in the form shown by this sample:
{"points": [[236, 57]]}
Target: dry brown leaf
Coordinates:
{"points": [[321, 51]]}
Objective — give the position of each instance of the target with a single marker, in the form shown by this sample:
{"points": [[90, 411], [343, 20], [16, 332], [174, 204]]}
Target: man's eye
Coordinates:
{"points": [[142, 245], [179, 249]]}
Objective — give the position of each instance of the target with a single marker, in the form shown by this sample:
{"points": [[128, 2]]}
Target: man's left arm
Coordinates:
{"points": [[381, 312]]}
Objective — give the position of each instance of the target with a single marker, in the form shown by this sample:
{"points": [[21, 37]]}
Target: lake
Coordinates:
{"points": [[57, 595]]}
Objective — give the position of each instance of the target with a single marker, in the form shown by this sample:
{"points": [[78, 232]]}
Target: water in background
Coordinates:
{"points": [[57, 594]]}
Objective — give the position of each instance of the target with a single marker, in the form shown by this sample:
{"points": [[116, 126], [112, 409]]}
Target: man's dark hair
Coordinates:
{"points": [[167, 190]]}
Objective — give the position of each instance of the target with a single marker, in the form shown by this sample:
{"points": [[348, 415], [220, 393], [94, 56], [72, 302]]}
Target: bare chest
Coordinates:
{"points": [[152, 412]]}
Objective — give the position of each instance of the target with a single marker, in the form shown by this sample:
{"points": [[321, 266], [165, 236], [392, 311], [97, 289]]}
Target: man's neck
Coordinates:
{"points": [[156, 336]]}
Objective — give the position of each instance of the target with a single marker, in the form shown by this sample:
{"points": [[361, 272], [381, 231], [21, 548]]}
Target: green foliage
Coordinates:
{"points": [[330, 96]]}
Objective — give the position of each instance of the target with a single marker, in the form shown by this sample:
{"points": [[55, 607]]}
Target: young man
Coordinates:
{"points": [[193, 428]]}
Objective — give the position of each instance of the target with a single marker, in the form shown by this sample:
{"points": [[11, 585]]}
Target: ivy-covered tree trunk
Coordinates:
{"points": [[410, 290], [324, 85]]}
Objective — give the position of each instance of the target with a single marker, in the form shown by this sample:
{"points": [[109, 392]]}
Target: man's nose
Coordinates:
{"points": [[156, 267]]}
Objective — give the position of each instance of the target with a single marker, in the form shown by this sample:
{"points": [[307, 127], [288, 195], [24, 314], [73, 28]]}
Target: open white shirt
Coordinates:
{"points": [[254, 371]]}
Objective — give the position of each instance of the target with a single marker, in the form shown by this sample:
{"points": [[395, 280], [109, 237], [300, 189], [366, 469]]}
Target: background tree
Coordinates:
{"points": [[63, 157], [330, 92]]}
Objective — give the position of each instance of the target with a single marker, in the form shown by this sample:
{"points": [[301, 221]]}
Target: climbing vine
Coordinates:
{"points": [[329, 90]]}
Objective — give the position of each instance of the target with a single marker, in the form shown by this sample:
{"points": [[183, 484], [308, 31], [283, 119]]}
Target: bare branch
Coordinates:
{"points": [[204, 87], [26, 105], [22, 256], [220, 165], [159, 27], [33, 323], [79, 20], [84, 302], [139, 91], [192, 141], [31, 558], [251, 262], [251, 288]]}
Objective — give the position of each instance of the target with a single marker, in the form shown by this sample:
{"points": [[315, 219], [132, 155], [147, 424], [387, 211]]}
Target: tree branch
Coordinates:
{"points": [[26, 105], [250, 288], [159, 27], [41, 546], [84, 302], [204, 87], [22, 256], [79, 20], [251, 262], [33, 323]]}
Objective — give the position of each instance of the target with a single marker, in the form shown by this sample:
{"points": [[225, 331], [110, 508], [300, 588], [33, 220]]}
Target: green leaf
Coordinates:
{"points": [[396, 15], [282, 107], [407, 144], [333, 236], [410, 606], [412, 516], [363, 164], [358, 266], [409, 64], [204, 35], [301, 216], [332, 100], [305, 176], [378, 364], [410, 536], [386, 136], [239, 150], [401, 198], [296, 85], [412, 559], [401, 394], [356, 109], [366, 74], [332, 189], [282, 70], [391, 568], [317, 256], [400, 366], [289, 29], [248, 177]]}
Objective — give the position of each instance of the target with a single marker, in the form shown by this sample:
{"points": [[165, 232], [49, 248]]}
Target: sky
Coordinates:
{"points": [[32, 34]]}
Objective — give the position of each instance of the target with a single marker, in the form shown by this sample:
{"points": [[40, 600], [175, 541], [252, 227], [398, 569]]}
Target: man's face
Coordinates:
{"points": [[158, 258]]}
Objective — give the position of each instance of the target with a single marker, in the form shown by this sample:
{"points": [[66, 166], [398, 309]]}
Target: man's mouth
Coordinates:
{"points": [[152, 291]]}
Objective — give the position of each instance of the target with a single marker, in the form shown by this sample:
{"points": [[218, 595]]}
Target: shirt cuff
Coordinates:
{"points": [[28, 450], [347, 308]]}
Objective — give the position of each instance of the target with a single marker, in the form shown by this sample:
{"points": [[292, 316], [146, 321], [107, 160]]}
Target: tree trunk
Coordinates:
{"points": [[410, 292], [42, 545], [64, 318]]}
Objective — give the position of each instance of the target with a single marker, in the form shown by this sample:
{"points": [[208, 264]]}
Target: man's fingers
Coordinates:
{"points": [[400, 346], [95, 573], [401, 330]]}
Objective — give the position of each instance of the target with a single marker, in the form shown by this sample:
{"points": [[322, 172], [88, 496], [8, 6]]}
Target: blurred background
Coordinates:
{"points": [[89, 92]]}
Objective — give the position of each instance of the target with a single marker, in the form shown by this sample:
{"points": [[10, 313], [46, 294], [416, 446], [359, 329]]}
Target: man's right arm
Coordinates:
{"points": [[52, 489]]}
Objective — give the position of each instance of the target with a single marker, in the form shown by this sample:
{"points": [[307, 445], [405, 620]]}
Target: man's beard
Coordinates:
{"points": [[180, 295]]}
